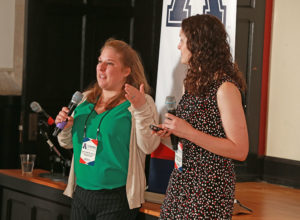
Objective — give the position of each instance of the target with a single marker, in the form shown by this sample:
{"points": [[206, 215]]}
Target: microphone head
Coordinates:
{"points": [[77, 97], [170, 102], [36, 107]]}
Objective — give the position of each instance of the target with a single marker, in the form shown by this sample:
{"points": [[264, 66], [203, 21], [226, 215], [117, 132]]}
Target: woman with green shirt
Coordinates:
{"points": [[110, 136]]}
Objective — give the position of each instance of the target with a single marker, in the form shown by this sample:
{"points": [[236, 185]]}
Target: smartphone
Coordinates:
{"points": [[155, 128]]}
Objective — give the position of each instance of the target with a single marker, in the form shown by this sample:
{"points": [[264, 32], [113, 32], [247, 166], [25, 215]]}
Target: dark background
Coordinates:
{"points": [[62, 43]]}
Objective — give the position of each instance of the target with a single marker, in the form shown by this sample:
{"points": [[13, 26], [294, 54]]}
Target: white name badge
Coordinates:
{"points": [[88, 151], [178, 157]]}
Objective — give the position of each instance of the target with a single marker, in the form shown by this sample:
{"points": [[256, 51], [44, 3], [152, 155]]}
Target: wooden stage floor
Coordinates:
{"points": [[268, 201]]}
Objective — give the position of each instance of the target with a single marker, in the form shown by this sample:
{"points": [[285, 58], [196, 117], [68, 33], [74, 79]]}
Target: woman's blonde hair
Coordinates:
{"points": [[129, 58]]}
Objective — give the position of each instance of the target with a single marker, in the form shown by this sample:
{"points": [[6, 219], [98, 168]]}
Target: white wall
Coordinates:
{"points": [[283, 134], [11, 46], [7, 25]]}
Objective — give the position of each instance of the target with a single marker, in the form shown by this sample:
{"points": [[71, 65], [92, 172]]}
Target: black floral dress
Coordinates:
{"points": [[205, 187]]}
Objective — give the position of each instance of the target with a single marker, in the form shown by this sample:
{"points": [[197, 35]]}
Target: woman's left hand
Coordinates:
{"points": [[177, 126], [134, 96]]}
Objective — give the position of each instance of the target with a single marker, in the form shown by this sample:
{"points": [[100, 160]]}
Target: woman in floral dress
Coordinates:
{"points": [[210, 123]]}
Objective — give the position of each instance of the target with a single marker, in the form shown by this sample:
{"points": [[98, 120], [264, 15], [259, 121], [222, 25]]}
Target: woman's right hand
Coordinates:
{"points": [[164, 133], [63, 116]]}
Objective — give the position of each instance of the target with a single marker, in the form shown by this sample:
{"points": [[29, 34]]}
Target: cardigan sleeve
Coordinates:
{"points": [[65, 138], [144, 116]]}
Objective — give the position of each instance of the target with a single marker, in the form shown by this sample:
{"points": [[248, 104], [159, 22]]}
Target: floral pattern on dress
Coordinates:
{"points": [[205, 188]]}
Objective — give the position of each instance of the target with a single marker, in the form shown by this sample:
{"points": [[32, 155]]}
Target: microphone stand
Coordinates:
{"points": [[53, 176]]}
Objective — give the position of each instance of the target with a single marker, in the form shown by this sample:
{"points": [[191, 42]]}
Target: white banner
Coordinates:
{"points": [[170, 71]]}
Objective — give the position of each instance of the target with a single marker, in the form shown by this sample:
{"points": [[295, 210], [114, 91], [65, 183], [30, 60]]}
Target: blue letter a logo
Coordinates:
{"points": [[177, 11], [216, 8]]}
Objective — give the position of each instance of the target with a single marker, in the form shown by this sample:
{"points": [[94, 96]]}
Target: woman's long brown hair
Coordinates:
{"points": [[211, 59]]}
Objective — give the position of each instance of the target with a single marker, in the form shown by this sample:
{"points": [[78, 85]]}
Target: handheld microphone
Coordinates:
{"points": [[38, 109], [76, 98], [171, 107]]}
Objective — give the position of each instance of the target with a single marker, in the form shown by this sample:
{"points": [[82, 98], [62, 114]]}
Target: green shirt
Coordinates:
{"points": [[111, 161]]}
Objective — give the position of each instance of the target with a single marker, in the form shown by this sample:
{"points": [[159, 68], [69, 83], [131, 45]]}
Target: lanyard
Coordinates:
{"points": [[98, 129]]}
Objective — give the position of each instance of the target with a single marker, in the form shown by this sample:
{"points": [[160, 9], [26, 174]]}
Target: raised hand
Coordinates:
{"points": [[134, 96]]}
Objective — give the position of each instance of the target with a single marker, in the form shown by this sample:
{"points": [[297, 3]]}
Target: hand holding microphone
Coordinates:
{"points": [[63, 117], [171, 107], [177, 126], [66, 112]]}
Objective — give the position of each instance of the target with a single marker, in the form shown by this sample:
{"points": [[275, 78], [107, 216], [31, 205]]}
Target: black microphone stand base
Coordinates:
{"points": [[56, 177]]}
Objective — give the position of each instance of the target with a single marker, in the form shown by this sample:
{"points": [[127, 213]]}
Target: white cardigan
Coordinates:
{"points": [[142, 142]]}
